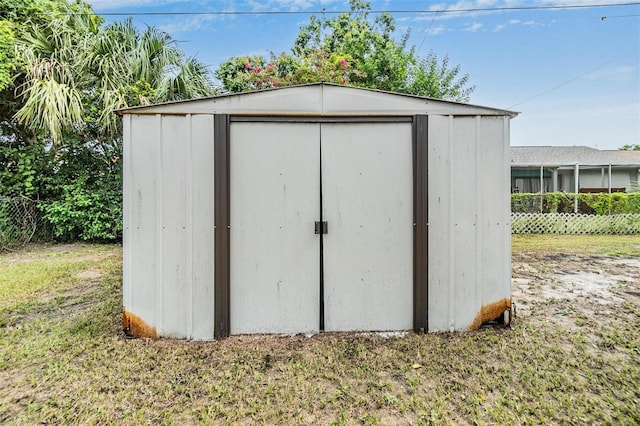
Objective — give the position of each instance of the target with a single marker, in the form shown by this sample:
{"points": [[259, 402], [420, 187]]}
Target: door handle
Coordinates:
{"points": [[321, 227]]}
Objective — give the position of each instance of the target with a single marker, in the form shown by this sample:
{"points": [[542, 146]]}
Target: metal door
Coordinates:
{"points": [[274, 253], [367, 202], [286, 275]]}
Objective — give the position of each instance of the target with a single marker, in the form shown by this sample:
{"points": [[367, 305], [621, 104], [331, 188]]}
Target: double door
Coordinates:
{"points": [[290, 274]]}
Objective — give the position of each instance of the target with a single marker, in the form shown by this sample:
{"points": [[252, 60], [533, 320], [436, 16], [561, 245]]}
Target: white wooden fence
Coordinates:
{"points": [[571, 223]]}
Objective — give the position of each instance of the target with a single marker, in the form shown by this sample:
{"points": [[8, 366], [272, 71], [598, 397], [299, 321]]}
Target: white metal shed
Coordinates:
{"points": [[314, 208]]}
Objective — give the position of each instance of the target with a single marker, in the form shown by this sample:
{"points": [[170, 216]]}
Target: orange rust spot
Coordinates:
{"points": [[490, 312], [135, 326]]}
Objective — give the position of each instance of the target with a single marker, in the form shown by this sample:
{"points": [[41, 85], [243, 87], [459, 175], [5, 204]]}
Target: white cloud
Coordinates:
{"points": [[473, 27], [436, 30], [471, 8], [574, 2], [102, 5], [287, 5], [191, 23], [499, 27], [254, 5]]}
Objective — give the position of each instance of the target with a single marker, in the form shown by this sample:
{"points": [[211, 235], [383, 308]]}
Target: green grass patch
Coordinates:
{"points": [[609, 245], [28, 274], [64, 360]]}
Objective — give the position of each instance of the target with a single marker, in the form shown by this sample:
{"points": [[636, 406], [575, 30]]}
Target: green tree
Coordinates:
{"points": [[351, 49], [631, 147], [59, 139], [383, 60], [241, 74], [75, 74], [6, 57]]}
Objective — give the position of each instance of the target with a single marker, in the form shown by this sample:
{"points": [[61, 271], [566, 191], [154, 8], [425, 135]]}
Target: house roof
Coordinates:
{"points": [[317, 99], [569, 155], [631, 155]]}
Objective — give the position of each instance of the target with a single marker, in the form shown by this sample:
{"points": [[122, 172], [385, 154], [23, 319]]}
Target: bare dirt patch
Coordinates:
{"points": [[550, 286]]}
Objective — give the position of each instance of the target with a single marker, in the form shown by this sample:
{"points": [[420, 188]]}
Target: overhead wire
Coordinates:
{"points": [[571, 80], [426, 33], [335, 12]]}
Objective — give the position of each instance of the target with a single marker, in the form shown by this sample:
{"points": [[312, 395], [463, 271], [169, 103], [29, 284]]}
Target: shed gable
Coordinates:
{"points": [[317, 99]]}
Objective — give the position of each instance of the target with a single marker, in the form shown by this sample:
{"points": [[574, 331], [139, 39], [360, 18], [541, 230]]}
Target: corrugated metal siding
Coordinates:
{"points": [[201, 248], [139, 242], [172, 202], [468, 219], [441, 260], [168, 235], [494, 236]]}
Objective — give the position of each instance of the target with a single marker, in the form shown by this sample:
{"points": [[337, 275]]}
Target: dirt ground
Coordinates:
{"points": [[593, 286]]}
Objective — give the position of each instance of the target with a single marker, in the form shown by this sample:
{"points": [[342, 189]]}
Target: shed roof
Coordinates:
{"points": [[317, 99], [569, 155]]}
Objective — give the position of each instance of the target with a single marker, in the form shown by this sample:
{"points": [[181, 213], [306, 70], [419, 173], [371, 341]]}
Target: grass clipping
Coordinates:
{"points": [[572, 356]]}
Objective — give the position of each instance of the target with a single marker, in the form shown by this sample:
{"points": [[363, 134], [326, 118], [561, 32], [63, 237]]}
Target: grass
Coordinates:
{"points": [[64, 360], [614, 245]]}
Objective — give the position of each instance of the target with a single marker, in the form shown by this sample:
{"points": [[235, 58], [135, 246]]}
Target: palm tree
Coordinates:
{"points": [[76, 73]]}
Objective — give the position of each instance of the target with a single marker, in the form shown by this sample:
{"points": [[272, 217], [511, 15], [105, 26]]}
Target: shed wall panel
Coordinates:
{"points": [[465, 212], [495, 243], [274, 262], [140, 203], [127, 212], [440, 247], [202, 227], [175, 138], [367, 196], [469, 245]]}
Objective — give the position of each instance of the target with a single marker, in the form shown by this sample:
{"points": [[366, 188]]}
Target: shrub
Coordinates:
{"points": [[561, 202], [86, 212]]}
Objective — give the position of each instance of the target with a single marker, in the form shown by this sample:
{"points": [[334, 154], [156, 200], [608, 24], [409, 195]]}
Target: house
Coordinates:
{"points": [[573, 169], [314, 208]]}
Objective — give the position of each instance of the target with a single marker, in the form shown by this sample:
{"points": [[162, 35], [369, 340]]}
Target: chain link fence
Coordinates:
{"points": [[21, 223], [572, 223]]}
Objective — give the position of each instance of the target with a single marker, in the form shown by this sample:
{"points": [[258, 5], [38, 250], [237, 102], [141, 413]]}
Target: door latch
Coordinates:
{"points": [[321, 227]]}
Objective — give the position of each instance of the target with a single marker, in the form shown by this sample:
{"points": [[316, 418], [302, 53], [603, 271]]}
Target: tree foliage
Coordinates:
{"points": [[59, 139], [630, 147], [254, 73], [75, 74], [350, 49]]}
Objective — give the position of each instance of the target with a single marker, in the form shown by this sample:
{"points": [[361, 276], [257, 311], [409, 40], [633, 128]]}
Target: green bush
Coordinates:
{"points": [[86, 212], [76, 186], [561, 202]]}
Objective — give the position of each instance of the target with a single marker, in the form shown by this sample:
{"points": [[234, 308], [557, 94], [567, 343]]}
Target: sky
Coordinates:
{"points": [[573, 73]]}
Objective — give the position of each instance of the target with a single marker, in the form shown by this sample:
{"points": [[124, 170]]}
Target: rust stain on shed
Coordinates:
{"points": [[135, 326], [490, 312]]}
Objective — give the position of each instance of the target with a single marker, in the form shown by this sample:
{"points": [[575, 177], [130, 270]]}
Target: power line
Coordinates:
{"points": [[570, 80], [336, 12], [618, 16], [426, 33]]}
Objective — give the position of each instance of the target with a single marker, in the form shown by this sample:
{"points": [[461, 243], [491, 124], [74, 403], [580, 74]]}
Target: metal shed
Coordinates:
{"points": [[314, 208]]}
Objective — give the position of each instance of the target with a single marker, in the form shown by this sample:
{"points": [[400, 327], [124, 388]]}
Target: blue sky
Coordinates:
{"points": [[573, 74]]}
